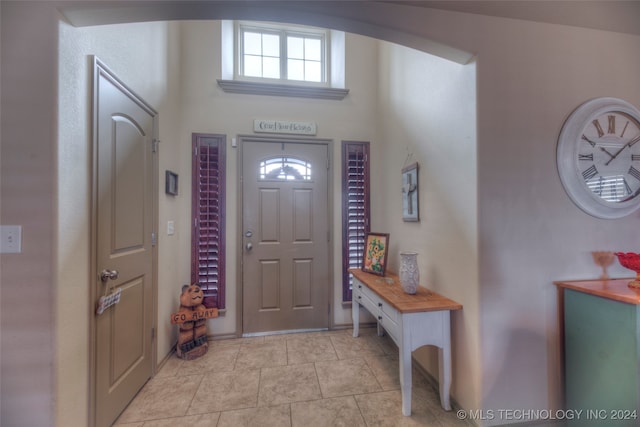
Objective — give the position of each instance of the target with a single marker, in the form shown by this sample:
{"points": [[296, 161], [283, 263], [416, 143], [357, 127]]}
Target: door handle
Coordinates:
{"points": [[108, 274], [249, 246]]}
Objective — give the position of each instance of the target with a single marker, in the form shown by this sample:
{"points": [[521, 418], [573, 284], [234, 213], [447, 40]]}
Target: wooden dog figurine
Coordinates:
{"points": [[192, 317]]}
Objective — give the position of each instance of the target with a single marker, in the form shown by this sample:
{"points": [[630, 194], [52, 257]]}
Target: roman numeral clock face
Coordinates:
{"points": [[609, 157], [599, 157]]}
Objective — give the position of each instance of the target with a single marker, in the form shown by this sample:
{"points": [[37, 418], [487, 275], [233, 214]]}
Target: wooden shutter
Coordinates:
{"points": [[355, 208], [208, 210]]}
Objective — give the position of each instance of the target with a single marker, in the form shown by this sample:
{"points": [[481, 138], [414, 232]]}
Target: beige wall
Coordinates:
{"points": [[207, 109], [27, 187], [530, 232], [530, 76], [144, 57], [181, 86], [427, 114]]}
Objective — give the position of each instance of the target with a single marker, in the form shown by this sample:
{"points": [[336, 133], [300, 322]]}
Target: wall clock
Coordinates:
{"points": [[598, 157]]}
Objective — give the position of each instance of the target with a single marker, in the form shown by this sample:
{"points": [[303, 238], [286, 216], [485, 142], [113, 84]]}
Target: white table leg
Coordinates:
{"points": [[380, 330], [444, 367], [405, 378], [355, 316]]}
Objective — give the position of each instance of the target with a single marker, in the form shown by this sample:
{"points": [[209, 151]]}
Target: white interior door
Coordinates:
{"points": [[285, 236], [124, 203]]}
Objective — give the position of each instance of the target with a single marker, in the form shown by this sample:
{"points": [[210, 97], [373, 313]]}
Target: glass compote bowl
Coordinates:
{"points": [[631, 261], [604, 259]]}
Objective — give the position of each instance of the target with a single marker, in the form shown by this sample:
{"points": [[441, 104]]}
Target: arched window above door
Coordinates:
{"points": [[285, 168]]}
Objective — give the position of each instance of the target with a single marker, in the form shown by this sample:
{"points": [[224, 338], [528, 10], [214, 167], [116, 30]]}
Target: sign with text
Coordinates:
{"points": [[191, 316], [284, 126]]}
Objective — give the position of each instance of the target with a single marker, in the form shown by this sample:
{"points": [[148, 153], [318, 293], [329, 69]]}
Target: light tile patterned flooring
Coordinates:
{"points": [[308, 380]]}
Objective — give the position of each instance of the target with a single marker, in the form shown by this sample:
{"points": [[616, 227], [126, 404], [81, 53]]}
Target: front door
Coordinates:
{"points": [[285, 236], [124, 204]]}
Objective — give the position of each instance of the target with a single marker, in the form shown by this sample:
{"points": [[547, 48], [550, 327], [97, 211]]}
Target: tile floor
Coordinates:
{"points": [[308, 380]]}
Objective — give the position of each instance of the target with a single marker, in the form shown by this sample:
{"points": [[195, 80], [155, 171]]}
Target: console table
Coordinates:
{"points": [[411, 321], [602, 351]]}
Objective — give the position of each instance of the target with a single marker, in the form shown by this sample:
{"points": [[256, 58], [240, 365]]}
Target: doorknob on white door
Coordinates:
{"points": [[249, 246], [108, 274]]}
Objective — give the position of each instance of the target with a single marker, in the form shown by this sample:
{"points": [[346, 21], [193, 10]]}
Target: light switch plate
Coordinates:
{"points": [[10, 239], [171, 229]]}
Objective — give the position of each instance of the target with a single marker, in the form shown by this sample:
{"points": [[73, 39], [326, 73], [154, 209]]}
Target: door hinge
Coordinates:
{"points": [[329, 308], [195, 151], [153, 334], [154, 145], [153, 239]]}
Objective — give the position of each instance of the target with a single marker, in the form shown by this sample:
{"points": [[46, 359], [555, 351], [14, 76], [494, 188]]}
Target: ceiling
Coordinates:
{"points": [[608, 15]]}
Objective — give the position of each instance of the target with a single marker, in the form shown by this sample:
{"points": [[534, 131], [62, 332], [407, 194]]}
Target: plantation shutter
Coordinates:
{"points": [[208, 210], [355, 208]]}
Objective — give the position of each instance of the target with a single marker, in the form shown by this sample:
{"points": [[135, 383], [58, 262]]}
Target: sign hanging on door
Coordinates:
{"points": [[284, 126]]}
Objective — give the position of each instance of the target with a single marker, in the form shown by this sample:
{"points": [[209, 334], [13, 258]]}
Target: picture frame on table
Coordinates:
{"points": [[376, 250]]}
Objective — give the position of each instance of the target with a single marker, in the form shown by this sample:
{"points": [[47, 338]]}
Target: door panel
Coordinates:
{"points": [[269, 211], [270, 285], [302, 215], [286, 228], [124, 203], [128, 328], [128, 182], [302, 280]]}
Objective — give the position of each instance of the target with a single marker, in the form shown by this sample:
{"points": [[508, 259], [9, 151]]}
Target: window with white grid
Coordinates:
{"points": [[282, 54]]}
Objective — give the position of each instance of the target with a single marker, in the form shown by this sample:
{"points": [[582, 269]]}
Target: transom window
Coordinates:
{"points": [[273, 52], [285, 169]]}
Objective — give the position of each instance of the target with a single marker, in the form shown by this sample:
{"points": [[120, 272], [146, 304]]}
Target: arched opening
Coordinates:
{"points": [[372, 19], [396, 117]]}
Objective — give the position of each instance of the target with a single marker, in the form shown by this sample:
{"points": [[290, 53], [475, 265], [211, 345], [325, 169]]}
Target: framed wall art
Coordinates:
{"points": [[171, 183], [410, 200], [375, 253]]}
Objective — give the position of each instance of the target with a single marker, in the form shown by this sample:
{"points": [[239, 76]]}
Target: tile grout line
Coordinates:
{"points": [[310, 351]]}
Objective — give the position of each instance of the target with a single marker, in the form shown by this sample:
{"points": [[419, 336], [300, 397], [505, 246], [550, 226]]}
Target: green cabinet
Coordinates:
{"points": [[602, 359]]}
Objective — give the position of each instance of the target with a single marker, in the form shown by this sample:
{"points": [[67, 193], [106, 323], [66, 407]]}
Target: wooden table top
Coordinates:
{"points": [[388, 287], [614, 289]]}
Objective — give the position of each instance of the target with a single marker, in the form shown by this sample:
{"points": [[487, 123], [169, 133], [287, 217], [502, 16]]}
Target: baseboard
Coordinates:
{"points": [[165, 359], [455, 406], [222, 337]]}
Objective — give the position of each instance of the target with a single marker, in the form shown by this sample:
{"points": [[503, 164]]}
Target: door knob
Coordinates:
{"points": [[249, 246], [108, 274]]}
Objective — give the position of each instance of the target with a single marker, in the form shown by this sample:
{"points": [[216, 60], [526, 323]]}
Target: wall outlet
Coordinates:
{"points": [[10, 239]]}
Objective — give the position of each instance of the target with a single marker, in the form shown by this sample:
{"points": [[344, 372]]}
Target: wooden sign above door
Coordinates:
{"points": [[284, 126]]}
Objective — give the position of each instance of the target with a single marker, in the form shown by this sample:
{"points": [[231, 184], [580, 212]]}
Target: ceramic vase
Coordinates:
{"points": [[409, 274]]}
